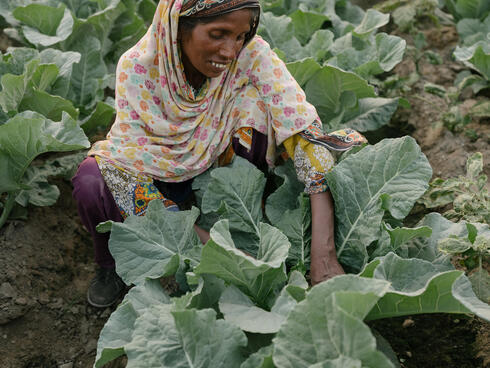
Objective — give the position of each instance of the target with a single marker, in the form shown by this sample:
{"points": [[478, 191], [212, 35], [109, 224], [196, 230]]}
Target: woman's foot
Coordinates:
{"points": [[105, 288]]}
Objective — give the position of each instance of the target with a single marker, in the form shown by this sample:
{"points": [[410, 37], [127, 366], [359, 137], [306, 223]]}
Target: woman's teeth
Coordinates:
{"points": [[219, 66]]}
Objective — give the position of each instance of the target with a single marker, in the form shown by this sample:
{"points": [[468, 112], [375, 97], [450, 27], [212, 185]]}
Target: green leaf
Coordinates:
{"points": [[395, 238], [474, 166], [127, 30], [303, 70], [372, 20], [101, 118], [184, 339], [480, 281], [257, 278], [43, 17], [390, 50], [206, 295], [282, 199], [118, 330], [83, 8], [238, 309], [147, 10], [103, 21], [482, 242], [116, 333], [468, 8], [48, 105], [295, 224], [27, 91], [297, 285], [15, 59], [435, 89], [104, 227], [401, 235], [426, 248], [319, 44], [63, 30], [277, 31], [463, 291], [41, 193], [476, 57], [481, 109], [143, 296], [472, 232], [64, 61], [372, 113], [418, 286], [28, 135], [440, 193], [152, 246], [86, 89], [221, 340], [306, 23], [44, 76], [329, 322], [328, 100], [395, 169], [6, 8], [14, 87], [236, 193], [292, 217], [260, 359], [404, 17], [472, 30], [369, 56]]}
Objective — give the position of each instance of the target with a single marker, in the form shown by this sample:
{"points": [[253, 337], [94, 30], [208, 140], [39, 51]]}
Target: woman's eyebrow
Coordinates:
{"points": [[225, 29]]}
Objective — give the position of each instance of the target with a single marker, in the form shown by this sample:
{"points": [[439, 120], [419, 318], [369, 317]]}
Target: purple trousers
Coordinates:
{"points": [[96, 203]]}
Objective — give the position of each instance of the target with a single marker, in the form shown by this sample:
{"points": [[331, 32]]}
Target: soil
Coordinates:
{"points": [[447, 151], [45, 268], [46, 261]]}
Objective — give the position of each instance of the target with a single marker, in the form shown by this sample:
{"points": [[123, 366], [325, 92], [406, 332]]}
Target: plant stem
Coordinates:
{"points": [[480, 275], [9, 204]]}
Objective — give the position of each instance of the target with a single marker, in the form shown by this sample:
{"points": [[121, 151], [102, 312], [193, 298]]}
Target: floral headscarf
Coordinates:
{"points": [[167, 131], [210, 8]]}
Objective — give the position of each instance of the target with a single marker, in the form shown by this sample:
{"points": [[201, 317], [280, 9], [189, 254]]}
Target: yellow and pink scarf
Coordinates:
{"points": [[168, 132]]}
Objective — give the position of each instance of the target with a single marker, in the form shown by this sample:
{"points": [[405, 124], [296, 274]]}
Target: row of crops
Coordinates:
{"points": [[255, 309]]}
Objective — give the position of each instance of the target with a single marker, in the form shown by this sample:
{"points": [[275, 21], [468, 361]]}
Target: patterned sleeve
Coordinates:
{"points": [[311, 161], [311, 152]]}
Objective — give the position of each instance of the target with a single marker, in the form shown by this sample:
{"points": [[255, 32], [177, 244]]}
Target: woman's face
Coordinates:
{"points": [[209, 48]]}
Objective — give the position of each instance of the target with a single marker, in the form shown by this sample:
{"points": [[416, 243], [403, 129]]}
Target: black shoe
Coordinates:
{"points": [[105, 288]]}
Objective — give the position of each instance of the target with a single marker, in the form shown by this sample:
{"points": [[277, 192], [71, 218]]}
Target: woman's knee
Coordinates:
{"points": [[88, 181]]}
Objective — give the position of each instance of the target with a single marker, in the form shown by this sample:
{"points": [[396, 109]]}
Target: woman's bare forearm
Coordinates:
{"points": [[202, 234], [324, 263]]}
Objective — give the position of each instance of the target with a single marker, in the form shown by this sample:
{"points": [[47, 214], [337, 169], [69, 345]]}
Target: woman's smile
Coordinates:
{"points": [[219, 66]]}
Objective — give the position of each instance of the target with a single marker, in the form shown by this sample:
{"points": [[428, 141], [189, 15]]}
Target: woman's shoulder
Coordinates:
{"points": [[256, 52], [257, 45]]}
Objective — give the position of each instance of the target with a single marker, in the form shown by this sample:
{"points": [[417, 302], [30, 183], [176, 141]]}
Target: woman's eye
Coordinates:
{"points": [[216, 36]]}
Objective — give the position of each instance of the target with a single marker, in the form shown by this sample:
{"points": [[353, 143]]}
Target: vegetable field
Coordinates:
{"points": [[412, 208]]}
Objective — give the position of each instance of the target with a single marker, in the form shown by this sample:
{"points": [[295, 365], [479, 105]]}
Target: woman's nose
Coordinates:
{"points": [[230, 49]]}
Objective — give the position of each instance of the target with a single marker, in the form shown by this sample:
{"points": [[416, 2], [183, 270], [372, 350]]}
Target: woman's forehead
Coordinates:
{"points": [[238, 20]]}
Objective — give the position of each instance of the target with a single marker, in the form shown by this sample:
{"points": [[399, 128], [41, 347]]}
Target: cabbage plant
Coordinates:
{"points": [[246, 300], [23, 138]]}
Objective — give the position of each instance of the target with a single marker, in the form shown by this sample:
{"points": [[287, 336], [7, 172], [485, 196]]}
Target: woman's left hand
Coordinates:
{"points": [[202, 234]]}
